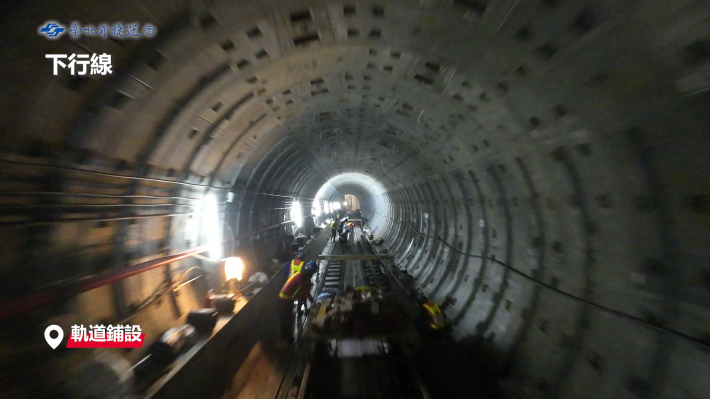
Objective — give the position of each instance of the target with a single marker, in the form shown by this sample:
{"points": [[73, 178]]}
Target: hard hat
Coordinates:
{"points": [[310, 268]]}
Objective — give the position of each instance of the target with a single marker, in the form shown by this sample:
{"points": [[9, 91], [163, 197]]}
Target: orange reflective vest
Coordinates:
{"points": [[288, 291], [295, 267], [297, 287], [438, 320]]}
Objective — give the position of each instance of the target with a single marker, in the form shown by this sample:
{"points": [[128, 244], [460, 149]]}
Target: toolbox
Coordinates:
{"points": [[203, 320]]}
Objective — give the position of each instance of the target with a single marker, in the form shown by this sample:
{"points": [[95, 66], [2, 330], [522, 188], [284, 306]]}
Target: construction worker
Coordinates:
{"points": [[342, 225], [432, 315], [301, 302], [297, 288], [343, 241], [296, 264], [334, 229]]}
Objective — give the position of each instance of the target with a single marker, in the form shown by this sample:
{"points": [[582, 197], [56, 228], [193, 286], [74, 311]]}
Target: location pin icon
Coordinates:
{"points": [[54, 342]]}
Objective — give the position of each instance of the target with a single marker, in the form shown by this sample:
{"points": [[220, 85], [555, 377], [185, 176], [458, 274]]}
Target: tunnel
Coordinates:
{"points": [[539, 165]]}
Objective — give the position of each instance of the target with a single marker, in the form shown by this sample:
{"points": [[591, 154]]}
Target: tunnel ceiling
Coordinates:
{"points": [[361, 87], [543, 161], [346, 106], [398, 91]]}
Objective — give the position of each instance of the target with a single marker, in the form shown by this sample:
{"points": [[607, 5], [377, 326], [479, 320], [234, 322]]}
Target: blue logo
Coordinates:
{"points": [[52, 30]]}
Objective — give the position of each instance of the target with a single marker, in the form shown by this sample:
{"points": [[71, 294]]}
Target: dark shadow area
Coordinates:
{"points": [[455, 370]]}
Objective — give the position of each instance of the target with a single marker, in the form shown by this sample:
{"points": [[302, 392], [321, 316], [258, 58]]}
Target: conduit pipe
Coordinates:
{"points": [[13, 306]]}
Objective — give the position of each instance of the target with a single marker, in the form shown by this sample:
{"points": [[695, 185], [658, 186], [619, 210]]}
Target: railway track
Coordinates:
{"points": [[320, 369], [338, 274], [374, 269]]}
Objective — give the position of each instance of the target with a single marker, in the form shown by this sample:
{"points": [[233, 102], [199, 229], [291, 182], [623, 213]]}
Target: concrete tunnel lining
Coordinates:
{"points": [[565, 140]]}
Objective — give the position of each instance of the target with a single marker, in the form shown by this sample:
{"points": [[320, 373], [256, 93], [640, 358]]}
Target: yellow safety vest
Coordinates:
{"points": [[295, 267], [438, 320], [286, 296]]}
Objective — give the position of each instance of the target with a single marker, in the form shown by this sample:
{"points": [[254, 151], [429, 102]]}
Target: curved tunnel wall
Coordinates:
{"points": [[563, 139]]}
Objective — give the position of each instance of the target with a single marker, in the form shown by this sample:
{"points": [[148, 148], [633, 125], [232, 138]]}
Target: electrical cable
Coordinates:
{"points": [[164, 288], [147, 302], [159, 292], [55, 221], [277, 195], [110, 174], [177, 286], [614, 312], [161, 289], [183, 273], [53, 206], [71, 194], [198, 256], [232, 239]]}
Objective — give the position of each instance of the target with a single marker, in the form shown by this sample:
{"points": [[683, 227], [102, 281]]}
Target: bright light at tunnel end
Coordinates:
{"points": [[369, 191], [315, 210]]}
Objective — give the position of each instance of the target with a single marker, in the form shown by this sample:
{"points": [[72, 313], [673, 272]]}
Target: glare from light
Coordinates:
{"points": [[296, 213], [233, 268], [369, 191], [335, 205], [345, 202], [211, 227], [316, 209]]}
